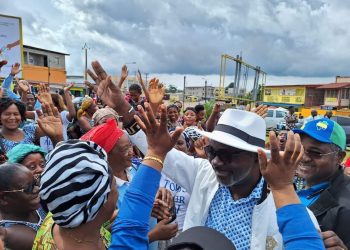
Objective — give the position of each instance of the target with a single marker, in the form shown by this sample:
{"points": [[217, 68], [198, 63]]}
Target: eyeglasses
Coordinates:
{"points": [[224, 155], [27, 190], [317, 155]]}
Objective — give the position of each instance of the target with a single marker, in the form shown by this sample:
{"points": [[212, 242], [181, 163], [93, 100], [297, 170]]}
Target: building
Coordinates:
{"points": [[199, 92], [44, 66], [79, 88], [337, 94], [307, 95]]}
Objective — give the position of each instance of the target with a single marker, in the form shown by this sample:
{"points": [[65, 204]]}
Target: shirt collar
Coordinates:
{"points": [[121, 182]]}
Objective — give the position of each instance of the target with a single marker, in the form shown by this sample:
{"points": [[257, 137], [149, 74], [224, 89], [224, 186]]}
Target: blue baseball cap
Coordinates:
{"points": [[324, 130]]}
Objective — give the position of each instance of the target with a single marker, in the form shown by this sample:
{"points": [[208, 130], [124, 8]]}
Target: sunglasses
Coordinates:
{"points": [[223, 154], [28, 190]]}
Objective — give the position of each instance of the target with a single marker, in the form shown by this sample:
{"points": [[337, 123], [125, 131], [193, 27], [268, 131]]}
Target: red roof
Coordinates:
{"points": [[335, 85]]}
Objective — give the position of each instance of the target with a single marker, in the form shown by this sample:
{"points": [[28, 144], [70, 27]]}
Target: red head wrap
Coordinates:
{"points": [[105, 135]]}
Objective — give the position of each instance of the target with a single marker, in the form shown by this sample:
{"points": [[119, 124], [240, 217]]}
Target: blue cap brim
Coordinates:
{"points": [[315, 136]]}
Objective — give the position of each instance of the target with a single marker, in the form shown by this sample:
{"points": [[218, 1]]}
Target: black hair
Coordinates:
{"points": [[5, 103], [135, 87], [198, 108], [7, 173], [190, 108], [172, 106]]}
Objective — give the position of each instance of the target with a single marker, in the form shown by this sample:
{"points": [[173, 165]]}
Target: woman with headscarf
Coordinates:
{"points": [[85, 113], [119, 151], [78, 189], [30, 156], [102, 115], [20, 212]]}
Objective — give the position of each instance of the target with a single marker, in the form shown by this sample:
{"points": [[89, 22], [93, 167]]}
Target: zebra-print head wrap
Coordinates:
{"points": [[76, 182]]}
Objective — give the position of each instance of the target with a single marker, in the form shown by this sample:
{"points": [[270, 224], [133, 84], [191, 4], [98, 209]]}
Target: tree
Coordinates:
{"points": [[171, 89]]}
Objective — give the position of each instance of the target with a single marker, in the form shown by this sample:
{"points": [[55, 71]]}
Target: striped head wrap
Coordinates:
{"points": [[75, 183]]}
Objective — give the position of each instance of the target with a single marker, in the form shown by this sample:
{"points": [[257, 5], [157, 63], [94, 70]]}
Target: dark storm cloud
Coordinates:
{"points": [[295, 37]]}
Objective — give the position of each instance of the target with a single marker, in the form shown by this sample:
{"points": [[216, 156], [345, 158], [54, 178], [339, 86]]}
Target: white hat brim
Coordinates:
{"points": [[232, 141]]}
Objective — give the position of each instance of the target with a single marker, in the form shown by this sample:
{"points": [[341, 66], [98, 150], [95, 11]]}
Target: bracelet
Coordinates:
{"points": [[132, 128], [152, 158]]}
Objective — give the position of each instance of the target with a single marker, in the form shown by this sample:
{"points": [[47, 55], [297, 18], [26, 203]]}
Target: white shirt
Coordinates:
{"points": [[181, 198]]}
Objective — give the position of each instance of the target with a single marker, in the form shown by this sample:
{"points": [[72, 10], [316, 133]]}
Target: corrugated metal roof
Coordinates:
{"points": [[335, 85]]}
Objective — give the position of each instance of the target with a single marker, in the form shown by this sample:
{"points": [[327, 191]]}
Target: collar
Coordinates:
{"points": [[121, 182]]}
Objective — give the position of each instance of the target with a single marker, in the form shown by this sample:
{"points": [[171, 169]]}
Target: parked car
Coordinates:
{"points": [[274, 117], [344, 121]]}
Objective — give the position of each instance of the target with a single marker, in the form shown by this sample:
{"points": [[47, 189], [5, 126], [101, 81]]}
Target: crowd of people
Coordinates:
{"points": [[126, 171]]}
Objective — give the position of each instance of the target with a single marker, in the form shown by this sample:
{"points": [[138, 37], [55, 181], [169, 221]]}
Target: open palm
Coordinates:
{"points": [[156, 91], [49, 121]]}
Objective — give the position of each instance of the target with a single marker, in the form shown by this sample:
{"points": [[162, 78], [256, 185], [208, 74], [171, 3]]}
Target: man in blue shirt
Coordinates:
{"points": [[327, 190]]}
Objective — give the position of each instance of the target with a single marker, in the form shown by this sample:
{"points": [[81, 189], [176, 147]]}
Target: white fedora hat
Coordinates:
{"points": [[239, 129]]}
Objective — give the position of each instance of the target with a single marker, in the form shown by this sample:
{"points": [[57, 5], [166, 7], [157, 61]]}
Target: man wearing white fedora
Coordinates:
{"points": [[227, 191]]}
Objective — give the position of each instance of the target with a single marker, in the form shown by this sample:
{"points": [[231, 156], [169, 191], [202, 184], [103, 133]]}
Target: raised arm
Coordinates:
{"points": [[70, 106], [214, 117], [131, 226], [294, 222]]}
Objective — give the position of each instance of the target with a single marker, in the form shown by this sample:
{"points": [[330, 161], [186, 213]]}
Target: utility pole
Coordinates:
{"points": [[48, 71], [146, 79], [85, 47], [205, 91], [183, 98]]}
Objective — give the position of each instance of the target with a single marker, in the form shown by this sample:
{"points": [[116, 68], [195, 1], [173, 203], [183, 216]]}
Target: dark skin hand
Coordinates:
{"points": [[332, 241], [19, 237]]}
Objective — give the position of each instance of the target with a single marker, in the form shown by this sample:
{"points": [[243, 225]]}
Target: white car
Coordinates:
{"points": [[274, 117]]}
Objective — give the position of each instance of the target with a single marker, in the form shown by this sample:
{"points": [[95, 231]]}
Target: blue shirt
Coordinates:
{"points": [[233, 218], [297, 229], [130, 228], [310, 195]]}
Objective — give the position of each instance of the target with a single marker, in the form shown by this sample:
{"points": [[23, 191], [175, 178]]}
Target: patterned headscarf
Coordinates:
{"points": [[101, 113], [84, 106], [21, 151], [75, 183]]}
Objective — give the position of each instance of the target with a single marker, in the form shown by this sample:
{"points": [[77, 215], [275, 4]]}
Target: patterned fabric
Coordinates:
{"points": [[44, 238], [233, 218], [29, 136], [76, 182], [299, 183], [291, 125], [35, 226]]}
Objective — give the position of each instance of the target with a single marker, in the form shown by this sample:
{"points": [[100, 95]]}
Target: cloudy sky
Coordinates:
{"points": [[293, 41]]}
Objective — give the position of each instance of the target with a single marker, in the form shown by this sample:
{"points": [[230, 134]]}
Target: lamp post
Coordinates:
{"points": [[205, 89], [87, 90], [183, 97]]}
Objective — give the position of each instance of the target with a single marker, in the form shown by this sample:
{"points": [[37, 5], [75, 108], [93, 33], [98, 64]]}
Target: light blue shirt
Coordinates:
{"points": [[233, 218]]}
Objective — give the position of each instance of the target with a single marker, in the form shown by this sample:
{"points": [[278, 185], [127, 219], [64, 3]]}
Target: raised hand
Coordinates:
{"points": [[49, 121], [261, 110], [109, 93], [68, 86], [145, 91], [44, 95], [92, 87], [23, 85], [156, 91], [199, 146], [15, 69], [160, 142], [280, 169], [123, 75]]}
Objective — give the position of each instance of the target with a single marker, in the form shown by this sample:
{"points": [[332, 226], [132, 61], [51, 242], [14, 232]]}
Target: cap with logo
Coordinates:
{"points": [[324, 130]]}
